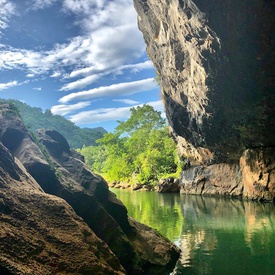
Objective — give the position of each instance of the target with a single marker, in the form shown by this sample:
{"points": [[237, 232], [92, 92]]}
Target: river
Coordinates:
{"points": [[217, 236]]}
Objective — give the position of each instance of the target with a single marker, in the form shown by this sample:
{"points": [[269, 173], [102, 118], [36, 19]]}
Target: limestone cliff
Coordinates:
{"points": [[215, 61], [106, 236]]}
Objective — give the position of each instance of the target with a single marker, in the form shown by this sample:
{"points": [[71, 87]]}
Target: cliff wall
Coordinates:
{"points": [[215, 61]]}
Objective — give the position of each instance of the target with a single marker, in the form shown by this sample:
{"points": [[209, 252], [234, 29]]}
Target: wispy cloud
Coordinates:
{"points": [[56, 74], [93, 70], [41, 4], [127, 101], [67, 109], [100, 115], [6, 11], [8, 85], [12, 58], [80, 83], [109, 114], [120, 89], [138, 67], [92, 74]]}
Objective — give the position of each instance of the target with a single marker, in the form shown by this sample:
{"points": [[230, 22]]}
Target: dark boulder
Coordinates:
{"points": [[168, 185]]}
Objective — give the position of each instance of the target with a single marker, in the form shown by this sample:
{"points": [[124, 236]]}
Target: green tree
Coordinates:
{"points": [[139, 148], [142, 118]]}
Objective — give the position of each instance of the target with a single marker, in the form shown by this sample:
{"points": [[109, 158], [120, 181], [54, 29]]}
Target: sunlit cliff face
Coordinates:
{"points": [[214, 61]]}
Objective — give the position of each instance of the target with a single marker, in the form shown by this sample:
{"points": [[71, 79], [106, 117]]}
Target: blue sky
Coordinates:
{"points": [[83, 59]]}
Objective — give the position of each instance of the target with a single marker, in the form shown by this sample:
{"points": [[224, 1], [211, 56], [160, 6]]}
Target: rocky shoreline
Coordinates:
{"points": [[194, 182], [167, 185]]}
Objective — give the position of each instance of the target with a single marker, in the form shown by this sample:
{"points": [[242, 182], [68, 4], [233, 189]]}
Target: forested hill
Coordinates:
{"points": [[35, 118]]}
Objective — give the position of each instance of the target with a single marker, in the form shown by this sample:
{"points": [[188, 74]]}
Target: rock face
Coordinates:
{"points": [[41, 234], [215, 62], [50, 166], [168, 185]]}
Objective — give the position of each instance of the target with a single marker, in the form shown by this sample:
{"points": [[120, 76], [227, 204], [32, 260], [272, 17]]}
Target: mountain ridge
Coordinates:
{"points": [[36, 119]]}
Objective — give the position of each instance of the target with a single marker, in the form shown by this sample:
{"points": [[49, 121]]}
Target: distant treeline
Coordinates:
{"points": [[34, 118]]}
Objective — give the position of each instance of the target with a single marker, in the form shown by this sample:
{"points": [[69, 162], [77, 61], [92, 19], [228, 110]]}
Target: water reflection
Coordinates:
{"points": [[160, 211], [216, 235], [225, 236]]}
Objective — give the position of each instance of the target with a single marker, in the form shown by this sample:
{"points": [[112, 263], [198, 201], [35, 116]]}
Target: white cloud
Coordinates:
{"points": [[109, 114], [100, 115], [6, 11], [93, 70], [56, 74], [127, 101], [138, 67], [38, 89], [81, 83], [98, 13], [85, 71], [83, 6], [66, 109], [120, 89], [11, 84], [41, 4], [103, 52], [44, 61], [8, 85], [92, 74], [11, 58], [110, 40], [114, 46]]}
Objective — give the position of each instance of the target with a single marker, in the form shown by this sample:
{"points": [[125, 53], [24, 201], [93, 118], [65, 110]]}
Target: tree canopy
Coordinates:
{"points": [[139, 150]]}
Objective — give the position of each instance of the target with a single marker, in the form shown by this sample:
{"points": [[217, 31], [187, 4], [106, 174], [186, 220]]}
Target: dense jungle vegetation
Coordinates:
{"points": [[35, 119], [139, 150]]}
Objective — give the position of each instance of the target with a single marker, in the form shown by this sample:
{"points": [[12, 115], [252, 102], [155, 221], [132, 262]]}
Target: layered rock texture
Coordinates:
{"points": [[215, 61], [57, 217]]}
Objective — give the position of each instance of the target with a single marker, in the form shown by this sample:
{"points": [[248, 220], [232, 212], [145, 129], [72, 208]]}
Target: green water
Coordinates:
{"points": [[216, 235]]}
